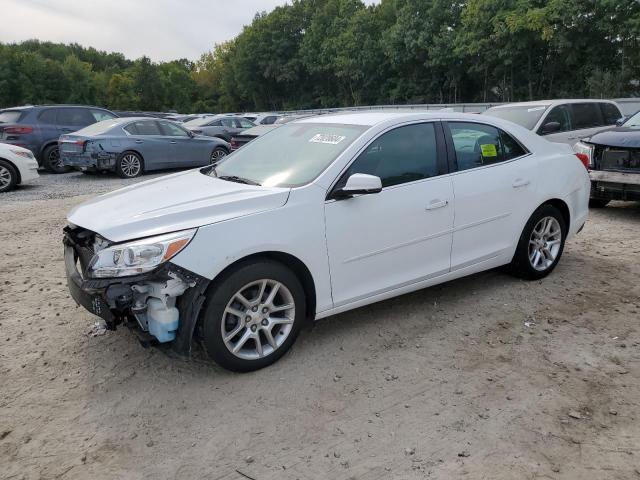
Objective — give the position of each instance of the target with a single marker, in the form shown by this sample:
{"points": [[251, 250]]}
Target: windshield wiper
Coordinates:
{"points": [[234, 178]]}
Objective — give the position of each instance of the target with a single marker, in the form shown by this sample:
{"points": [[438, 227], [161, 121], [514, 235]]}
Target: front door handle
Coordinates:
{"points": [[520, 182], [173, 142], [139, 141], [437, 204]]}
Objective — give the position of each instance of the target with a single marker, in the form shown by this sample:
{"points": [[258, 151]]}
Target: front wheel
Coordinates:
{"points": [[541, 244], [52, 161], [129, 165], [218, 154], [253, 315], [8, 176]]}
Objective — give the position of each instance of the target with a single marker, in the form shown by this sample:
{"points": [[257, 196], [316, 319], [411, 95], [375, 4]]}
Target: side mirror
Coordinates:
{"points": [[191, 134], [550, 127], [620, 121], [358, 184]]}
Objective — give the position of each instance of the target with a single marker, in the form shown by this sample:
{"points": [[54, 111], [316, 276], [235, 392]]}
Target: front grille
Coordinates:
{"points": [[614, 158]]}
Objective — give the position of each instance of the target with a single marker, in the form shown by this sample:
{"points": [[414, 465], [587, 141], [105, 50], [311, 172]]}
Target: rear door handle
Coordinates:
{"points": [[173, 142], [520, 182], [139, 141], [437, 204]]}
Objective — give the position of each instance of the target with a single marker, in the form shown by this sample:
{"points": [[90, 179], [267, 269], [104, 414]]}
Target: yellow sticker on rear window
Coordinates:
{"points": [[489, 150]]}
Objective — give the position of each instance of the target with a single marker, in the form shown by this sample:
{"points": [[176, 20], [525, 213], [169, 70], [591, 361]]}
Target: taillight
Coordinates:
{"points": [[17, 130], [584, 158]]}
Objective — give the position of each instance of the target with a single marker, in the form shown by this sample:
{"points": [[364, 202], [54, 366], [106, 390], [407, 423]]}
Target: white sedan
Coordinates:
{"points": [[17, 166], [320, 216]]}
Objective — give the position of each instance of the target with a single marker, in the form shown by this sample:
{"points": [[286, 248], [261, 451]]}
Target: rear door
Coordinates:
{"points": [[493, 184]]}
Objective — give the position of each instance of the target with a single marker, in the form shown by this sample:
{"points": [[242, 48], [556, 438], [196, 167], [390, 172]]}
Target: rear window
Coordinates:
{"points": [[99, 128], [10, 116], [524, 115]]}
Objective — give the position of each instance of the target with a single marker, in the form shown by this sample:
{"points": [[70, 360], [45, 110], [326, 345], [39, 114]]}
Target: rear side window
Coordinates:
{"points": [[10, 116], [477, 145], [243, 123], [143, 127], [172, 130], [100, 115], [269, 120], [48, 117], [586, 115], [75, 117], [402, 155], [610, 113], [215, 123], [227, 122]]}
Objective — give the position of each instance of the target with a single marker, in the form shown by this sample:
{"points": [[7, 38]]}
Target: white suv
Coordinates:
{"points": [[562, 121], [320, 216]]}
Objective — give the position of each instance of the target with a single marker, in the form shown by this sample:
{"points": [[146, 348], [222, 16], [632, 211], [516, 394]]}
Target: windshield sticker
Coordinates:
{"points": [[489, 150], [535, 109], [327, 138]]}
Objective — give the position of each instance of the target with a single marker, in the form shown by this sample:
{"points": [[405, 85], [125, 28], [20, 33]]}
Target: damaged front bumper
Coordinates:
{"points": [[165, 303]]}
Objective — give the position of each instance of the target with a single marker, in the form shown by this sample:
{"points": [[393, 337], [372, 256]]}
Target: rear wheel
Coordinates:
{"points": [[541, 244], [51, 160], [598, 202], [129, 165], [253, 315], [8, 176]]}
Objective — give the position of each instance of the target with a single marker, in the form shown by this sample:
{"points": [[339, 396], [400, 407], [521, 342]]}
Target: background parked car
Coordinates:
{"points": [[131, 146], [17, 165], [221, 126], [561, 121], [262, 118], [38, 128], [613, 156], [249, 134]]}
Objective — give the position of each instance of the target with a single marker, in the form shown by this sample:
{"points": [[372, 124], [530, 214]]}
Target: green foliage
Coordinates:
{"points": [[323, 53]]}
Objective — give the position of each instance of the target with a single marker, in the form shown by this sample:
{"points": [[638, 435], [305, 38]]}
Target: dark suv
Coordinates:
{"points": [[39, 127]]}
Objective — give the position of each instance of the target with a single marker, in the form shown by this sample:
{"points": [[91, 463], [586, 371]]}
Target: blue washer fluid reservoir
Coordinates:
{"points": [[163, 321]]}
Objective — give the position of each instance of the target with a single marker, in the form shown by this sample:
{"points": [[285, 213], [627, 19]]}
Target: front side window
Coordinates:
{"points": [[405, 154], [586, 115], [291, 155], [100, 115], [227, 122], [610, 113], [559, 114], [477, 145], [172, 130]]}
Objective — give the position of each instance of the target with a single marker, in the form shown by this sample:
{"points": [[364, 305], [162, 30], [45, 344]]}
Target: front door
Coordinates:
{"points": [[402, 235]]}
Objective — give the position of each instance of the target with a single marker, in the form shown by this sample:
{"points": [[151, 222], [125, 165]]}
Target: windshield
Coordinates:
{"points": [[634, 121], [525, 115], [290, 155], [10, 116], [99, 128]]}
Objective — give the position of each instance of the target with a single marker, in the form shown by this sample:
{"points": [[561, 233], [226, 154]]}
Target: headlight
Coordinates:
{"points": [[133, 258], [23, 154], [584, 149]]}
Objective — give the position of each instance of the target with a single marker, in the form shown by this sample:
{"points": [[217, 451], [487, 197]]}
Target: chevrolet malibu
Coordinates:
{"points": [[317, 217]]}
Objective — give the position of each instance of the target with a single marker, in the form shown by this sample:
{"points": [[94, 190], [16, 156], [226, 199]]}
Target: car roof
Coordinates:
{"points": [[548, 103], [372, 118]]}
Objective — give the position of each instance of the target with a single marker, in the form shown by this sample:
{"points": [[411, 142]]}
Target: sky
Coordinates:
{"points": [[160, 29]]}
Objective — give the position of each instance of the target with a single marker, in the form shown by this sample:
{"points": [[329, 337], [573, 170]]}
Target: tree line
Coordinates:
{"points": [[333, 53]]}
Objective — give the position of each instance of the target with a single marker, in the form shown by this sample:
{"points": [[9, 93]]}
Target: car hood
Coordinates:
{"points": [[621, 137], [171, 203]]}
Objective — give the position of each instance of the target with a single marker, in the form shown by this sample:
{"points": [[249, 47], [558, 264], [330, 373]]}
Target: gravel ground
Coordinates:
{"points": [[486, 377]]}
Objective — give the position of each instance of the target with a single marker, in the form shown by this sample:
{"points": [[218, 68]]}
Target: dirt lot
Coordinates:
{"points": [[486, 377]]}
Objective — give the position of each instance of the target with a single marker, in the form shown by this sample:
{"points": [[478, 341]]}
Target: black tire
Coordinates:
{"points": [[598, 202], [221, 294], [521, 265], [51, 160], [8, 176], [125, 165], [218, 154]]}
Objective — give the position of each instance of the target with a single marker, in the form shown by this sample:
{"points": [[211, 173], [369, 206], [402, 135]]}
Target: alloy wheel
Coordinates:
{"points": [[258, 319], [5, 177], [544, 243], [217, 155], [54, 160], [130, 165]]}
